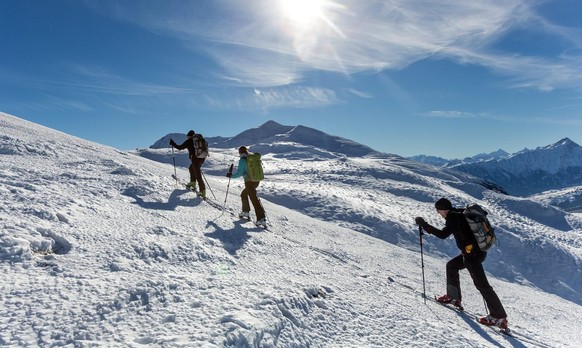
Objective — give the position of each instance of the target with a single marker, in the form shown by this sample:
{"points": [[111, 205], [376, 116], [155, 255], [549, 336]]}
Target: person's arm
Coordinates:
{"points": [[442, 234], [182, 146], [241, 169], [428, 228]]}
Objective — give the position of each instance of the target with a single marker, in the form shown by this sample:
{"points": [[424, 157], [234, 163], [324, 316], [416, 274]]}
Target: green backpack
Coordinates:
{"points": [[255, 167]]}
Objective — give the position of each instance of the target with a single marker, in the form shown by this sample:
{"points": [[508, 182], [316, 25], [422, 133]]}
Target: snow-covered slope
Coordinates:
{"points": [[569, 199], [357, 193], [100, 247]]}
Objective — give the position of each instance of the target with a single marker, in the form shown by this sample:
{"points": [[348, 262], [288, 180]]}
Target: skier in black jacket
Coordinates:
{"points": [[471, 258], [197, 156]]}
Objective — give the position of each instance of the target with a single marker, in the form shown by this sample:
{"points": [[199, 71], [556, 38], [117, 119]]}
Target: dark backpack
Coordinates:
{"points": [[255, 167], [484, 233], [201, 146]]}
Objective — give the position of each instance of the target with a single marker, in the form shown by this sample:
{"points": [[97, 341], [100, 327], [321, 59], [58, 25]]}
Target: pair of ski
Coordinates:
{"points": [[505, 331]]}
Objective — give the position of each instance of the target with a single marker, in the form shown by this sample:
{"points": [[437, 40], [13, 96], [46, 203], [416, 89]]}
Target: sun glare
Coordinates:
{"points": [[302, 12]]}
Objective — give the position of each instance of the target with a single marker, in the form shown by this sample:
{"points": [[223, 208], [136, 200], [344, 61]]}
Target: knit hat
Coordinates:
{"points": [[243, 149], [443, 204], [191, 133]]}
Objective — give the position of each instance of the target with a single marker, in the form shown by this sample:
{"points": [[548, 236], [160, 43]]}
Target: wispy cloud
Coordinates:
{"points": [[68, 104], [544, 74], [451, 114], [101, 80], [98, 86], [266, 99], [93, 79], [354, 35], [360, 93]]}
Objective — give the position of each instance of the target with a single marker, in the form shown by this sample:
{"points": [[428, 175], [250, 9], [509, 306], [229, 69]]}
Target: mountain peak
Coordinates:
{"points": [[565, 142], [271, 124]]}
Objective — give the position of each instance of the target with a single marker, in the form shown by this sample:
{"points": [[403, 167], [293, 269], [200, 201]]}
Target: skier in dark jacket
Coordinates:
{"points": [[250, 190], [471, 258], [197, 156]]}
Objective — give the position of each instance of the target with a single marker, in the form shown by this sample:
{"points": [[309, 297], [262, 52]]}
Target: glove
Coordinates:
{"points": [[228, 175], [420, 221], [172, 143]]}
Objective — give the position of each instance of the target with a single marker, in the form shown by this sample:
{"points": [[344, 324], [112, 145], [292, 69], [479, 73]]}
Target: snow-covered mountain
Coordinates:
{"points": [[101, 248], [528, 172], [427, 159], [556, 168], [443, 162], [272, 137]]}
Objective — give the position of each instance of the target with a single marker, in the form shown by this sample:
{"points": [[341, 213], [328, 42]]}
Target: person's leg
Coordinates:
{"points": [[192, 183], [244, 196], [475, 268], [197, 164], [453, 283], [251, 188]]}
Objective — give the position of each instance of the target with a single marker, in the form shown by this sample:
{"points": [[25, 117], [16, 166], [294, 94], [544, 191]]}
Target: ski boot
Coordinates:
{"points": [[191, 186], [261, 223], [446, 299], [490, 321]]}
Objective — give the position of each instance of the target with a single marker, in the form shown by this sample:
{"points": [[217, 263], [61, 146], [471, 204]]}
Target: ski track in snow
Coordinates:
{"points": [[102, 248]]}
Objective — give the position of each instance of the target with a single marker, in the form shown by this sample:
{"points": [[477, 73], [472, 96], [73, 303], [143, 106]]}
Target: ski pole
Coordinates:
{"points": [[204, 176], [174, 160], [228, 186], [420, 233]]}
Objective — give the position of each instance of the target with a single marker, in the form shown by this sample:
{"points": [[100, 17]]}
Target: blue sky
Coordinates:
{"points": [[449, 78]]}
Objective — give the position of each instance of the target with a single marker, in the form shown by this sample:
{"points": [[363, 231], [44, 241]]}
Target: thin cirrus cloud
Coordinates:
{"points": [[357, 36], [451, 114], [273, 98], [256, 45], [103, 81], [455, 114]]}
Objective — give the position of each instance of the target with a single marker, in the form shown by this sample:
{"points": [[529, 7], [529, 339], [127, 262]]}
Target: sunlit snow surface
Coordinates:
{"points": [[100, 247]]}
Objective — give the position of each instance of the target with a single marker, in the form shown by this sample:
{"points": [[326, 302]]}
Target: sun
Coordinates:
{"points": [[302, 12]]}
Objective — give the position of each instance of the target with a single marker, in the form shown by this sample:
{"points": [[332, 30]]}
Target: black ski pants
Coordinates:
{"points": [[250, 191], [196, 173], [473, 264]]}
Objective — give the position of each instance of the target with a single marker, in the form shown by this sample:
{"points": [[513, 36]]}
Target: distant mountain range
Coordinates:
{"points": [[443, 162], [528, 172]]}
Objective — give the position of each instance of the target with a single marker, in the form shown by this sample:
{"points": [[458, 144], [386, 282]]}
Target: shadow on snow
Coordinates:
{"points": [[233, 239]]}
